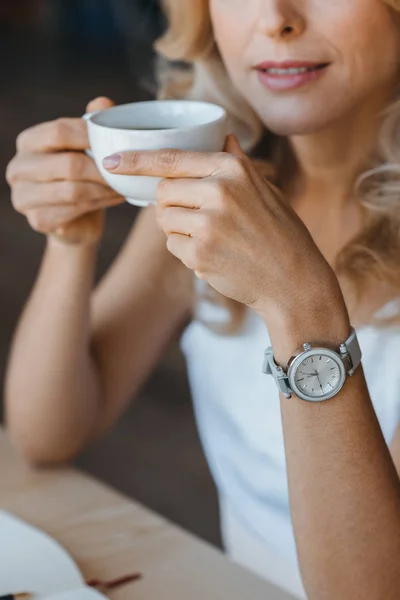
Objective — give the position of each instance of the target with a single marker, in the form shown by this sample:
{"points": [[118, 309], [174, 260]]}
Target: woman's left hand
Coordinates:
{"points": [[224, 221]]}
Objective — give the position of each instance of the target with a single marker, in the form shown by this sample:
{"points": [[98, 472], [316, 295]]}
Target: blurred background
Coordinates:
{"points": [[58, 55]]}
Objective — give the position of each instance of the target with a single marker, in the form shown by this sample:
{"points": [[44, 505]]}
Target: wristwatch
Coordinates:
{"points": [[315, 374]]}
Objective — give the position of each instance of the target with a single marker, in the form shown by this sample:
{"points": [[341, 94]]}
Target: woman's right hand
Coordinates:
{"points": [[56, 185]]}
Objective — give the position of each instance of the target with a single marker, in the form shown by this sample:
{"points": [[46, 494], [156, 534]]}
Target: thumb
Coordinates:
{"points": [[100, 103], [232, 146]]}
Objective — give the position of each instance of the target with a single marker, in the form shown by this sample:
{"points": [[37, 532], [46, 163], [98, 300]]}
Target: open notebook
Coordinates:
{"points": [[31, 561]]}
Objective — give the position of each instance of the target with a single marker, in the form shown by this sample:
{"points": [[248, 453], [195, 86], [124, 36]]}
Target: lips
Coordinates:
{"points": [[290, 74]]}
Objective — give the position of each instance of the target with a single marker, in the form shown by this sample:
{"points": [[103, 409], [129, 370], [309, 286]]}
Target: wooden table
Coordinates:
{"points": [[108, 535]]}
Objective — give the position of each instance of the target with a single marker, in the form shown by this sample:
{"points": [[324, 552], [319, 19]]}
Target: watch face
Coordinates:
{"points": [[317, 375]]}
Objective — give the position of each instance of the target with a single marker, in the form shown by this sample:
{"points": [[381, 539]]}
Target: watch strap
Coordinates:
{"points": [[351, 349], [271, 368]]}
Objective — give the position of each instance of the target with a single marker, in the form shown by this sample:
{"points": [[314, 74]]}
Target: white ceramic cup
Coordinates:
{"points": [[154, 125]]}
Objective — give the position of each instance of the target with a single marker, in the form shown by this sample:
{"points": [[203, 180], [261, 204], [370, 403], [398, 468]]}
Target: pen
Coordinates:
{"points": [[16, 597]]}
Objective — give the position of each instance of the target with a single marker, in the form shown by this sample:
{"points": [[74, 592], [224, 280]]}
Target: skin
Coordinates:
{"points": [[101, 346]]}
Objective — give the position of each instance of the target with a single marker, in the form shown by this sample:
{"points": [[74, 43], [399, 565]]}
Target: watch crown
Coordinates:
{"points": [[307, 346]]}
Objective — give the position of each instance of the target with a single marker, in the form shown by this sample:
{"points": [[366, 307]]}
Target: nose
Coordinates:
{"points": [[281, 19]]}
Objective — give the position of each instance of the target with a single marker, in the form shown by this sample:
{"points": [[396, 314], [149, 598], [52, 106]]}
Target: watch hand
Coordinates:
{"points": [[319, 381]]}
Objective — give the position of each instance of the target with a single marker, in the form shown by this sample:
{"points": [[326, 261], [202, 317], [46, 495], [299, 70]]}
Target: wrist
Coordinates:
{"points": [[67, 254], [61, 243], [320, 323], [67, 267], [86, 231]]}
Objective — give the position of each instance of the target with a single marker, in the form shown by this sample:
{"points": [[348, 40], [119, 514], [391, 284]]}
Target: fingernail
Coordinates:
{"points": [[112, 162]]}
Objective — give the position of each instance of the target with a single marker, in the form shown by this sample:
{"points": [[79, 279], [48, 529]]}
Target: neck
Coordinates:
{"points": [[328, 162]]}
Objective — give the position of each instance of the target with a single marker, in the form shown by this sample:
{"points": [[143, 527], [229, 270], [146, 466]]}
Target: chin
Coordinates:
{"points": [[294, 125], [300, 116]]}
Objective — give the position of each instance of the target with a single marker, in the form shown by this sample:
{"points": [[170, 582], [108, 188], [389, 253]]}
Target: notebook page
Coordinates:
{"points": [[32, 561]]}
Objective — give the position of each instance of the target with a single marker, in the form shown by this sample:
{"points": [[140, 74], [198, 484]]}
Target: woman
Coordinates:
{"points": [[294, 259]]}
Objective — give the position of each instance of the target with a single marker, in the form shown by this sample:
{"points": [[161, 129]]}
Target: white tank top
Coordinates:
{"points": [[238, 414]]}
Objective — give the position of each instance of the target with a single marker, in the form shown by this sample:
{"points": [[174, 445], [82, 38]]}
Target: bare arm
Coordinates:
{"points": [[344, 488], [72, 369], [78, 357]]}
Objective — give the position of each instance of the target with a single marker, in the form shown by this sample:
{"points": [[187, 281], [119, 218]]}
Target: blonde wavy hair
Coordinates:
{"points": [[372, 256]]}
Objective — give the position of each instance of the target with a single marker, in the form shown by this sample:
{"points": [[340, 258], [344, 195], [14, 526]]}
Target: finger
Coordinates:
{"points": [[100, 103], [26, 195], [55, 219], [53, 136], [190, 193], [50, 219], [232, 146], [181, 221], [166, 163], [73, 166]]}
